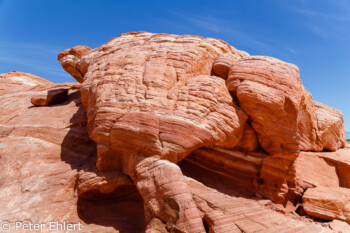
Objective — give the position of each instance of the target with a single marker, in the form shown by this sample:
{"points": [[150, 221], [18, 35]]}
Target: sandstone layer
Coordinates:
{"points": [[172, 133], [154, 98], [43, 153]]}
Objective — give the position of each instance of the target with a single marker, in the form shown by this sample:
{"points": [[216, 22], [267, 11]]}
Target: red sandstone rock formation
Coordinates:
{"points": [[49, 97], [156, 109]]}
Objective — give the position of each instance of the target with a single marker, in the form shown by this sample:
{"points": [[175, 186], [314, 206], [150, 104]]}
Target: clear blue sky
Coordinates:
{"points": [[313, 34]]}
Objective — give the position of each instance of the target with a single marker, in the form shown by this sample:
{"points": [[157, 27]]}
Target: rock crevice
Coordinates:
{"points": [[170, 133]]}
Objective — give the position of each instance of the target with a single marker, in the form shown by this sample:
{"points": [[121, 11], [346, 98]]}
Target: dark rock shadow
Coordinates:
{"points": [[123, 208], [230, 185]]}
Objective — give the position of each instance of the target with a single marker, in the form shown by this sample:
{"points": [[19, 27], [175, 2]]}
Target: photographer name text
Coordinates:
{"points": [[35, 226]]}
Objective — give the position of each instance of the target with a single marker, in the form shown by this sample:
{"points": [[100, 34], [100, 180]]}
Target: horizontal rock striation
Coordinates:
{"points": [[158, 97], [45, 155], [168, 133]]}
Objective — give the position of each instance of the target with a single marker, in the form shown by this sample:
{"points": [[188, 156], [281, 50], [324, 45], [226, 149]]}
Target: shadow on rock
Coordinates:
{"points": [[121, 209]]}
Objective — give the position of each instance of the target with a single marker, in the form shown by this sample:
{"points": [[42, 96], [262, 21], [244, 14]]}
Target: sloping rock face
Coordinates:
{"points": [[171, 133], [154, 99], [45, 159]]}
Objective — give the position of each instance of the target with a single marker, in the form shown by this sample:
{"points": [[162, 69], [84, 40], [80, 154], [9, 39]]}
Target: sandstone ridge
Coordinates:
{"points": [[170, 133]]}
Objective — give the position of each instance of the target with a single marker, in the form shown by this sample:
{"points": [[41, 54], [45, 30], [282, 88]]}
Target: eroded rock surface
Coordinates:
{"points": [[281, 111], [155, 110], [328, 203], [43, 150], [156, 97], [49, 97]]}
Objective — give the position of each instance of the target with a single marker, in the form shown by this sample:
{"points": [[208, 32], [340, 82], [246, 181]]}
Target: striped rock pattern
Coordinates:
{"points": [[171, 134], [152, 99], [46, 154], [49, 172]]}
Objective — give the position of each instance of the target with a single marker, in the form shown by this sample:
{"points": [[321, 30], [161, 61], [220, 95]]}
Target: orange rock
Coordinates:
{"points": [[50, 97], [249, 140], [338, 164], [328, 203], [240, 168], [275, 178], [149, 101], [154, 96], [166, 105], [151, 95], [285, 179], [270, 92], [167, 195], [156, 226], [70, 61], [330, 127], [223, 63], [339, 226], [104, 182], [314, 171], [281, 111], [223, 213], [41, 151]]}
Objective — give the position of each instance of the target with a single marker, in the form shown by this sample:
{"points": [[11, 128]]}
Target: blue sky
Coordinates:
{"points": [[313, 34]]}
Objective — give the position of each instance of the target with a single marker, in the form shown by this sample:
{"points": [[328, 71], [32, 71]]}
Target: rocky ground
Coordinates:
{"points": [[167, 133]]}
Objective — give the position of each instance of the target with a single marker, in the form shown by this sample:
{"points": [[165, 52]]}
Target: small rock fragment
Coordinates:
{"points": [[50, 97]]}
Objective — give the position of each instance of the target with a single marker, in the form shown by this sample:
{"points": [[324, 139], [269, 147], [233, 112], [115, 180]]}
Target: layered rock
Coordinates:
{"points": [[92, 181], [153, 97], [48, 173], [43, 150], [222, 213], [158, 88], [222, 64], [70, 61], [156, 109], [328, 203], [281, 111], [167, 195], [50, 97], [331, 132]]}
